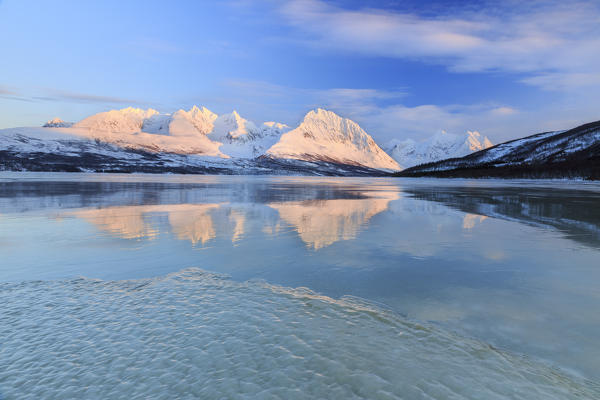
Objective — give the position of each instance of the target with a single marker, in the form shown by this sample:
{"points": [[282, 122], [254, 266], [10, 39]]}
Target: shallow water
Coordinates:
{"points": [[463, 289]]}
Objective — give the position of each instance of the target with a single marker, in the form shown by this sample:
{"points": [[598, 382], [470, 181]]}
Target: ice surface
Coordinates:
{"points": [[194, 334]]}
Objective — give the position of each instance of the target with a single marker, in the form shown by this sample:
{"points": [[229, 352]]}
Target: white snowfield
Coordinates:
{"points": [[325, 136], [322, 136], [440, 146]]}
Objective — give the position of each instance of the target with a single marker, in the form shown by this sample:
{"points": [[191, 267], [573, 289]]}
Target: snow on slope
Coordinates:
{"points": [[440, 146], [196, 121], [182, 132], [539, 155], [325, 136], [56, 141], [197, 131], [322, 136], [506, 148], [242, 138], [57, 123], [126, 120]]}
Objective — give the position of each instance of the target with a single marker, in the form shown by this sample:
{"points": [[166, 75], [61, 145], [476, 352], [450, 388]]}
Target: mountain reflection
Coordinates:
{"points": [[575, 213], [187, 221], [192, 222], [319, 223], [471, 220], [123, 222]]}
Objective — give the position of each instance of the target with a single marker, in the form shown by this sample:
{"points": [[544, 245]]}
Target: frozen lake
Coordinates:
{"points": [[292, 287]]}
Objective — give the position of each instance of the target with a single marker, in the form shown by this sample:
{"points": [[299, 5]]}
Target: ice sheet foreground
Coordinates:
{"points": [[198, 335]]}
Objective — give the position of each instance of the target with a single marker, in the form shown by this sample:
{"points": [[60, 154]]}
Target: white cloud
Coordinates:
{"points": [[267, 100], [380, 112], [503, 111], [383, 115], [565, 81], [546, 40]]}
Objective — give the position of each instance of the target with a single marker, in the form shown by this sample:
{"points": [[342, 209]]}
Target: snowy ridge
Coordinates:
{"points": [[323, 143], [242, 138], [409, 153], [126, 120], [325, 136], [571, 153], [57, 123], [196, 121], [322, 137], [197, 131]]}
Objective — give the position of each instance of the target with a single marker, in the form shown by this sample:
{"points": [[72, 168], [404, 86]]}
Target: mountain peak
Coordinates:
{"points": [[232, 126], [126, 120], [322, 115], [441, 145], [137, 111], [57, 123], [323, 135], [197, 112]]}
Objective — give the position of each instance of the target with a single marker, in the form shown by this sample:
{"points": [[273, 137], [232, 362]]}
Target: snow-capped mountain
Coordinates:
{"points": [[57, 123], [194, 141], [182, 132], [126, 120], [440, 146], [325, 136], [196, 121], [571, 153], [148, 130], [200, 141], [242, 138], [197, 131], [322, 138]]}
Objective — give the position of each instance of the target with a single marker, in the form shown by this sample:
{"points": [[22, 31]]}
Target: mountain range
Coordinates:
{"points": [[200, 141], [440, 146], [324, 143], [573, 153]]}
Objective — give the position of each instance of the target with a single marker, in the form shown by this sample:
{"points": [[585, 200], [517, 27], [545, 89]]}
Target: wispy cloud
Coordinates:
{"points": [[56, 95], [5, 91], [380, 112], [350, 101], [383, 115], [564, 81], [550, 41], [10, 93], [59, 95]]}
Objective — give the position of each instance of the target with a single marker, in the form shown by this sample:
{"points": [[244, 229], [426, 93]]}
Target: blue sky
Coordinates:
{"points": [[399, 68]]}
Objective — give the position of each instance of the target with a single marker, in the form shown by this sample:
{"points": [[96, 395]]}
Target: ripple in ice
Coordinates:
{"points": [[199, 335]]}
